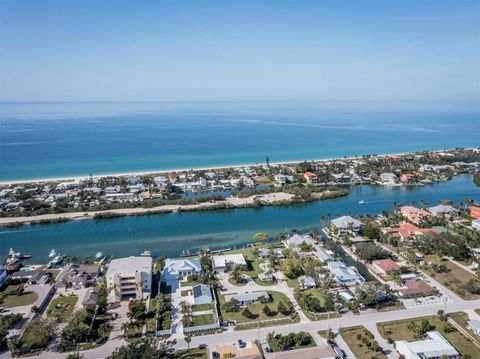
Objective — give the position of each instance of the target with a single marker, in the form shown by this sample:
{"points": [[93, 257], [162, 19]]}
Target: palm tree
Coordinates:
{"points": [[124, 328], [188, 339]]}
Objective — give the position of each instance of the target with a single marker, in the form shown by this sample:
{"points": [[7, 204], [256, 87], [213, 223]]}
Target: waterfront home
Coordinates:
{"points": [[307, 282], [129, 277], [346, 225], [388, 179], [443, 210], [474, 326], [435, 346], [175, 269], [441, 169], [133, 180], [310, 177], [415, 288], [295, 241], [283, 179], [225, 262], [385, 266], [341, 178], [405, 230], [414, 214], [160, 181], [343, 275], [249, 298], [474, 212], [407, 178], [202, 294], [322, 254]]}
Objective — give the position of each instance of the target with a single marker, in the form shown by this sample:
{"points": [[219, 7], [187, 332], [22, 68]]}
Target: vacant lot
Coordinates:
{"points": [[62, 307], [362, 343], [400, 330], [454, 279], [12, 300], [203, 319]]}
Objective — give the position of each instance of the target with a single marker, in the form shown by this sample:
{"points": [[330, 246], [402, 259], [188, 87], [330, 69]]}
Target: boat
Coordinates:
{"points": [[361, 201], [99, 255], [15, 257], [146, 254], [55, 261], [52, 254]]}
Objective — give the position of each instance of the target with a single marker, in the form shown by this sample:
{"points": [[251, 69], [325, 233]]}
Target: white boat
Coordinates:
{"points": [[52, 254], [361, 201], [99, 255], [146, 254]]}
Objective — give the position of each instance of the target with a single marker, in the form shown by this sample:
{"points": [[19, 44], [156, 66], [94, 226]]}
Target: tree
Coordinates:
{"points": [[19, 290], [267, 311], [188, 339], [137, 310], [144, 349], [247, 313], [291, 268], [236, 274], [260, 237], [371, 230], [231, 306]]}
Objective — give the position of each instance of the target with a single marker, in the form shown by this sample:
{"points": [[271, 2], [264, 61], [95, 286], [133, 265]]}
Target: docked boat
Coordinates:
{"points": [[146, 254], [15, 257], [99, 255], [52, 254]]}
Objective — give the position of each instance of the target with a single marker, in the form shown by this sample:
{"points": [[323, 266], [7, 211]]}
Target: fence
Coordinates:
{"points": [[200, 328], [162, 333]]}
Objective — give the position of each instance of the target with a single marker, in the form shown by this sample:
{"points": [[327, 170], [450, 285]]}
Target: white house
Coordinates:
{"points": [[249, 298], [180, 268], [388, 179], [297, 240], [160, 181], [435, 346], [223, 262], [202, 294], [307, 282], [129, 277], [346, 225], [443, 210], [343, 275]]}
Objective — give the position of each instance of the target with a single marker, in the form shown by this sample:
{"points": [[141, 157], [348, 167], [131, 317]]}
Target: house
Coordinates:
{"points": [[133, 180], [346, 225], [181, 268], [415, 288], [310, 177], [239, 350], [279, 253], [347, 297], [160, 181], [474, 326], [414, 215], [307, 282], [266, 277], [322, 254], [249, 298], [263, 253], [407, 178], [388, 179], [321, 351], [225, 262], [90, 298], [476, 224], [475, 212], [295, 241], [405, 230], [202, 294], [385, 266], [343, 275], [129, 277], [282, 179], [443, 210], [434, 347]]}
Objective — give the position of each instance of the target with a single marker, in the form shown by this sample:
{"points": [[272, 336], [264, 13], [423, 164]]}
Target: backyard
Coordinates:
{"points": [[61, 307], [402, 330], [362, 343], [11, 299]]}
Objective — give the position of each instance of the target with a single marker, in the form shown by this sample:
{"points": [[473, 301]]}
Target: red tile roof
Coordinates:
{"points": [[387, 265]]}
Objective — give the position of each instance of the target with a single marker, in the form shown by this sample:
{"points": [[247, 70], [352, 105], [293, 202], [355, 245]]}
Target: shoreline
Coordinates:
{"points": [[151, 172]]}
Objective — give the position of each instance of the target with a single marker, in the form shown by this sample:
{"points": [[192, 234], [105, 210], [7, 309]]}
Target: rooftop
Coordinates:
{"points": [[130, 265]]}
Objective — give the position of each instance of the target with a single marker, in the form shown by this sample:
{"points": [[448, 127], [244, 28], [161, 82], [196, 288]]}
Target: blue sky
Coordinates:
{"points": [[385, 51]]}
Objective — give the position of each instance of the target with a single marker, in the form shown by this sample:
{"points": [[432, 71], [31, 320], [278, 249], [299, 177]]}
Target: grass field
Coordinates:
{"points": [[203, 319], [201, 307], [12, 300], [285, 321], [398, 330], [256, 308], [194, 353], [62, 307], [360, 341], [455, 279]]}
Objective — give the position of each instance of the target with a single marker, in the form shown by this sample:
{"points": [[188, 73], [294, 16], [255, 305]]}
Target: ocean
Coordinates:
{"points": [[49, 140]]}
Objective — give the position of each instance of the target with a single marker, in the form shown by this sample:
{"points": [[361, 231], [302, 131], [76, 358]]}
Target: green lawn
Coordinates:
{"points": [[203, 319], [455, 279], [398, 330], [201, 307], [293, 283], [256, 308], [13, 300], [190, 354], [360, 341], [285, 321], [61, 307]]}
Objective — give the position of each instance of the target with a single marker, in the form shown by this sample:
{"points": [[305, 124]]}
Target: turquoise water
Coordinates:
{"points": [[45, 140], [170, 234]]}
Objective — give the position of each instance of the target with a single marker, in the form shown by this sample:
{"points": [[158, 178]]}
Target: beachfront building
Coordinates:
{"points": [[343, 275], [443, 210], [225, 262], [310, 177], [129, 277], [414, 214], [346, 225], [434, 347], [176, 269]]}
